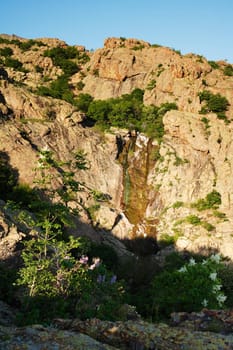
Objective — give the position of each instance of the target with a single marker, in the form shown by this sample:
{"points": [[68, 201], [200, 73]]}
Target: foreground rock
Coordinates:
{"points": [[142, 335], [206, 330], [40, 338], [103, 335]]}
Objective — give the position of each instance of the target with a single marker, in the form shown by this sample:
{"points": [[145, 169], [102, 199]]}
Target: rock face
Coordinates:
{"points": [[208, 329], [152, 188]]}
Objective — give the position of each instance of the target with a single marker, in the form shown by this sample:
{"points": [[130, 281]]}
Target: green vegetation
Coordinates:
{"points": [[39, 69], [211, 201], [151, 85], [70, 277], [228, 70], [80, 85], [178, 204], [23, 45], [194, 286], [59, 88], [62, 57], [61, 276], [206, 122], [166, 239], [193, 219], [27, 45], [213, 64], [14, 63], [6, 51], [214, 103], [65, 58], [139, 47], [83, 101], [127, 111]]}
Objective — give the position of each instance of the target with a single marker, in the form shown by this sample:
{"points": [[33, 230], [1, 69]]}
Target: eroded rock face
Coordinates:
{"points": [[194, 161], [194, 158]]}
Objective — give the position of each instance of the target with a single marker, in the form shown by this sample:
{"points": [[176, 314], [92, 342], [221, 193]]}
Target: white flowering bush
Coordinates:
{"points": [[194, 286]]}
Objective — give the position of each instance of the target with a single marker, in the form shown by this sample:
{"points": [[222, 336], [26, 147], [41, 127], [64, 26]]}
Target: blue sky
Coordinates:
{"points": [[203, 27]]}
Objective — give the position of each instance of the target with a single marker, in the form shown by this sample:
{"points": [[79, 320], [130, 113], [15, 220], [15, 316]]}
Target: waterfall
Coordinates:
{"points": [[136, 160]]}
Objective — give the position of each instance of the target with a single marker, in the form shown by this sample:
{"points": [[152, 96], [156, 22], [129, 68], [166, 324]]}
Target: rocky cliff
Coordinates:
{"points": [[155, 189]]}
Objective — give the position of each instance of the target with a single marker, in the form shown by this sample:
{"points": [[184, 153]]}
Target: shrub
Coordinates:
{"points": [[228, 70], [214, 103], [59, 89], [226, 276], [211, 201], [6, 51], [209, 227], [193, 219], [192, 287], [83, 101], [178, 204], [213, 64], [13, 63], [56, 270], [80, 85], [151, 85], [39, 69], [61, 58]]}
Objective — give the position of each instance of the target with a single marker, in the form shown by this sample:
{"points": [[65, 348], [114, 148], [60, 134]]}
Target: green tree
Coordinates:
{"points": [[55, 269]]}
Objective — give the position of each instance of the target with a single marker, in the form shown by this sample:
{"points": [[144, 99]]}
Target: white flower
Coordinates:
{"points": [[183, 269], [204, 262], [220, 299], [205, 302], [213, 276], [40, 165], [192, 262], [216, 258], [96, 263], [42, 156], [217, 288]]}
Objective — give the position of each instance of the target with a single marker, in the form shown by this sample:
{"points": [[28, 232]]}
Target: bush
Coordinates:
{"points": [[26, 45], [83, 101], [128, 111], [6, 51], [193, 220], [192, 287], [226, 276], [61, 57], [211, 201], [214, 103], [213, 64], [59, 89], [13, 63], [80, 85], [228, 70]]}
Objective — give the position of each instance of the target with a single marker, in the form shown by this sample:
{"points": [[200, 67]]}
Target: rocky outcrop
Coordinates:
{"points": [[194, 161], [143, 335], [208, 329], [151, 187]]}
